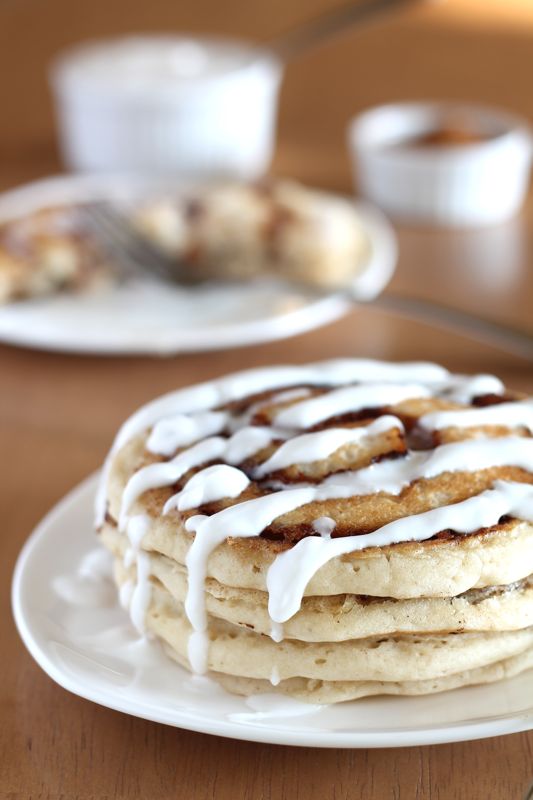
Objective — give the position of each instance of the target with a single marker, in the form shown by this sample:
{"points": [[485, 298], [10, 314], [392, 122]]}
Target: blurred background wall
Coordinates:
{"points": [[460, 49]]}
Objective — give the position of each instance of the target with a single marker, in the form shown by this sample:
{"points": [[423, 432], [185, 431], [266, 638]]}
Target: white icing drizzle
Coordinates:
{"points": [[136, 596], [171, 433], [212, 531], [92, 583], [124, 594], [511, 415], [194, 522], [275, 707], [96, 565], [198, 651], [324, 526], [249, 441], [465, 456], [345, 400], [234, 450], [276, 631], [207, 396], [275, 676], [284, 397], [279, 397], [140, 598], [207, 486], [462, 388], [316, 446], [154, 476], [292, 570], [136, 529]]}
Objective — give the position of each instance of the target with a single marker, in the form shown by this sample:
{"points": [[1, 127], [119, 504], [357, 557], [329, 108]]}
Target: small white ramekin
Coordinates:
{"points": [[478, 183], [194, 106]]}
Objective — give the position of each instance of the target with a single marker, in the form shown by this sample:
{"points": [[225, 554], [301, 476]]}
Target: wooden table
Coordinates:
{"points": [[58, 413]]}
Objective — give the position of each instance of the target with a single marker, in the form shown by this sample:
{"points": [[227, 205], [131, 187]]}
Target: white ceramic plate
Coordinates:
{"points": [[66, 611], [154, 318]]}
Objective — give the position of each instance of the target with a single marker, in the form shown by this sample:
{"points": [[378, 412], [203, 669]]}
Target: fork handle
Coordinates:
{"points": [[507, 338], [336, 21]]}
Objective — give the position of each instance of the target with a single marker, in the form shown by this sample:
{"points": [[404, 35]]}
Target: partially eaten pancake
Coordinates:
{"points": [[345, 528], [224, 232], [51, 250]]}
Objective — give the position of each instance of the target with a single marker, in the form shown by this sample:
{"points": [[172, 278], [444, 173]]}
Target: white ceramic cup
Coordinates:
{"points": [[477, 183], [194, 106]]}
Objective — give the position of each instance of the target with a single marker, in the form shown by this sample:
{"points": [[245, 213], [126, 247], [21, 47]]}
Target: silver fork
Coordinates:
{"points": [[499, 334], [131, 253]]}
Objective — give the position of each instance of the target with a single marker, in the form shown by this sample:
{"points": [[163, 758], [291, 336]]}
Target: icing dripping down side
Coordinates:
{"points": [[198, 651], [275, 676], [292, 570], [137, 596], [276, 631], [324, 526]]}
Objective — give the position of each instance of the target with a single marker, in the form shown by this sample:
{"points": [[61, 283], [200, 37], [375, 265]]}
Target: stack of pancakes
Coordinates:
{"points": [[329, 593]]}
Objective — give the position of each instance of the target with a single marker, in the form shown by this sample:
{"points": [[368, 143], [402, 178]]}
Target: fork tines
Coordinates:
{"points": [[131, 252]]}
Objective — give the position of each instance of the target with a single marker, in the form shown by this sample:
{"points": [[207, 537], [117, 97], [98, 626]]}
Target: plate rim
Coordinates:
{"points": [[313, 314], [467, 730]]}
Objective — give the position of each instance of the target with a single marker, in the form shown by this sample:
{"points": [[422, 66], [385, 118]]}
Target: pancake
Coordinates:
{"points": [[50, 250], [313, 691], [238, 230], [236, 650], [347, 616], [354, 523]]}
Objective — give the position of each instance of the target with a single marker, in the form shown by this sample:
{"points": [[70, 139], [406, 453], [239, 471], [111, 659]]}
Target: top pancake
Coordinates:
{"points": [[446, 564]]}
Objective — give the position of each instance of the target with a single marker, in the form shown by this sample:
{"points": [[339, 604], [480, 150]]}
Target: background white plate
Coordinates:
{"points": [[72, 625], [150, 317]]}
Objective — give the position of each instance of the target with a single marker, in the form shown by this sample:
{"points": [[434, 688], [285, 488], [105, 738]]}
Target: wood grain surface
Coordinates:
{"points": [[58, 413]]}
